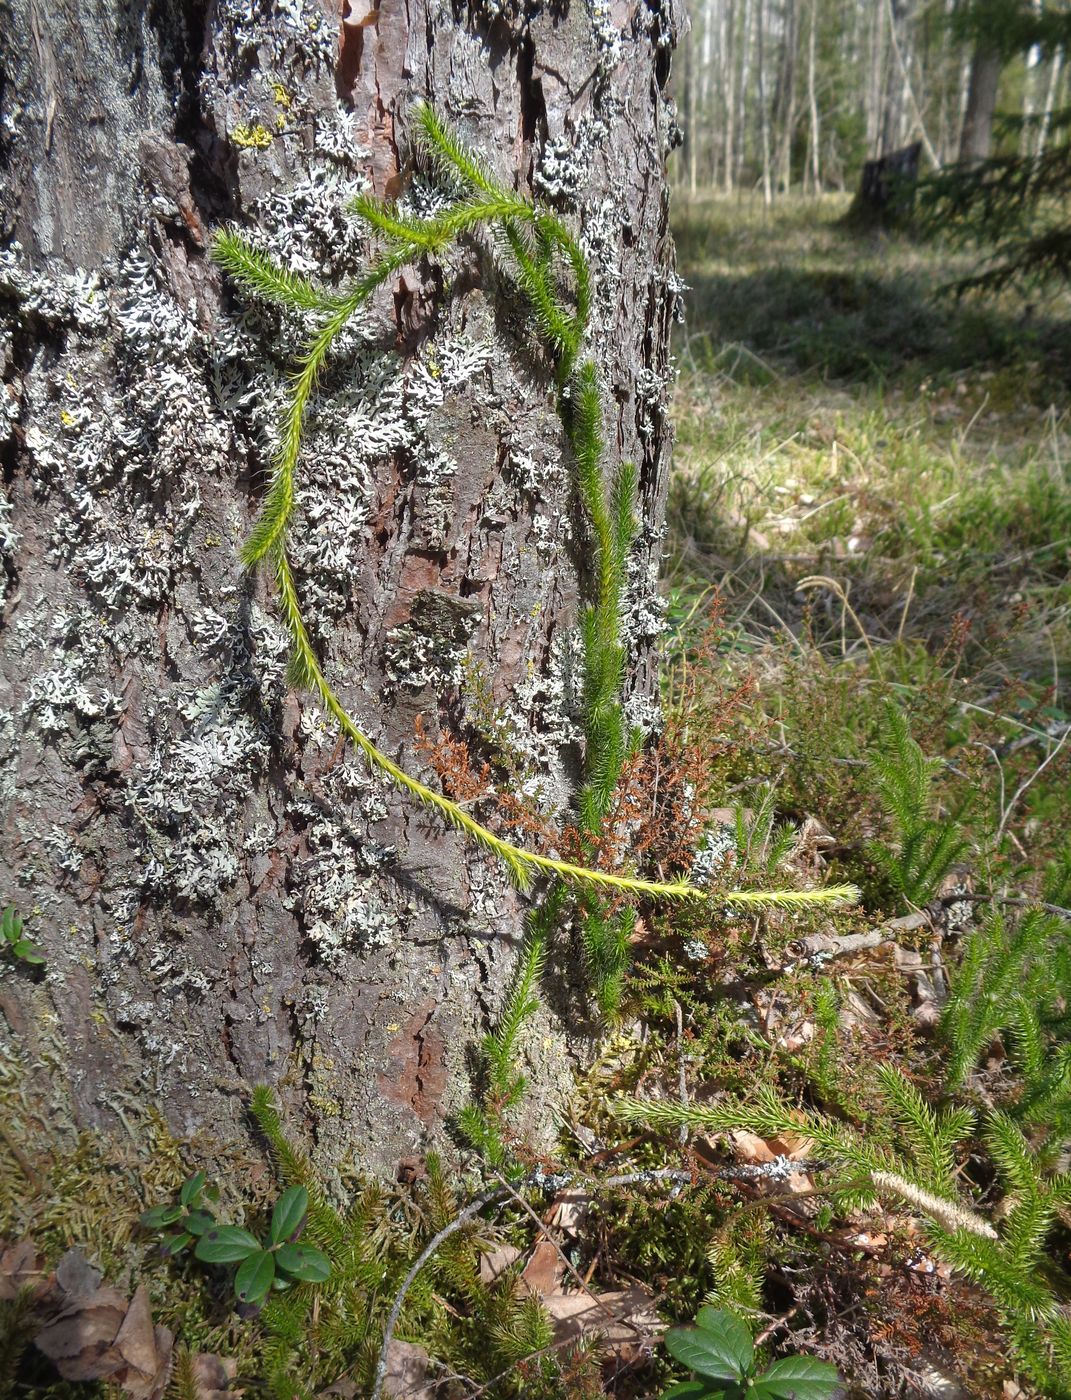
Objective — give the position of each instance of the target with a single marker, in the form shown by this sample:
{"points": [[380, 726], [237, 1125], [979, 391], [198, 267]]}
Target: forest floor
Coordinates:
{"points": [[873, 479], [870, 516], [846, 1127]]}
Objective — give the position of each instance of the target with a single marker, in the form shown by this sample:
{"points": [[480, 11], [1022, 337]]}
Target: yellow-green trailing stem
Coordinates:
{"points": [[536, 239]]}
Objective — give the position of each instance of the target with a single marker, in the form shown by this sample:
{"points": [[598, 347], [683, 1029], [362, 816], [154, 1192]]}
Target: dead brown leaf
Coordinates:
{"points": [[544, 1271], [619, 1317], [145, 1350], [93, 1333], [495, 1263], [212, 1375], [21, 1267], [751, 1148], [407, 1372]]}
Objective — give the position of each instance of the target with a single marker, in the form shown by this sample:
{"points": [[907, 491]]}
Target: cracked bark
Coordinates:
{"points": [[119, 155]]}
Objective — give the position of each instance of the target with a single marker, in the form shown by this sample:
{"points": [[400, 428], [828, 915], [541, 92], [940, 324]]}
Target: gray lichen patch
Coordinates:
{"points": [[221, 903], [430, 649], [552, 694], [184, 804]]}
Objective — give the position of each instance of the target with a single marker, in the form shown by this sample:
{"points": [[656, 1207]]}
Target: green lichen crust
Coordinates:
{"points": [[544, 254]]}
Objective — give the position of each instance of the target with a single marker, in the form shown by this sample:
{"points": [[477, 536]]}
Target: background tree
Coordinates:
{"points": [[223, 894], [1017, 202], [827, 86]]}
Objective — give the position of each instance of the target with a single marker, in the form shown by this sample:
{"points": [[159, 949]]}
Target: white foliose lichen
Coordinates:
{"points": [[9, 538], [71, 299], [66, 694], [643, 712], [607, 36], [564, 167], [300, 28], [643, 614], [543, 478], [116, 470], [716, 854], [555, 696]]}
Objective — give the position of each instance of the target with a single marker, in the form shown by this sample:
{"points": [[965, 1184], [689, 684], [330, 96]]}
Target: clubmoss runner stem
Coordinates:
{"points": [[542, 249]]}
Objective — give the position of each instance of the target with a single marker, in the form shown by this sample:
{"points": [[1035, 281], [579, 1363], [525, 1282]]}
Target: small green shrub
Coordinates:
{"points": [[263, 1265], [19, 947], [719, 1348]]}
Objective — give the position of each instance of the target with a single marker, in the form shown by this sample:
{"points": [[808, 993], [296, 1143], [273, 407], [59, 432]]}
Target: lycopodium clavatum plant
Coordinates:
{"points": [[551, 272], [263, 1265]]}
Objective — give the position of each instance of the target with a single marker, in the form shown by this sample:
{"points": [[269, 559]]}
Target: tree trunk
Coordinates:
{"points": [[812, 101], [225, 895], [764, 109], [1055, 64], [976, 139]]}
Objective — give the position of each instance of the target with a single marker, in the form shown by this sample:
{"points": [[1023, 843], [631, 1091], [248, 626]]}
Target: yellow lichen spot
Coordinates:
{"points": [[393, 1027], [212, 540], [331, 1108], [283, 98], [251, 137], [65, 418], [265, 1009]]}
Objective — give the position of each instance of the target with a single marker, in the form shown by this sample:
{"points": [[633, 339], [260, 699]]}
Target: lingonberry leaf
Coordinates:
{"points": [[254, 1278], [226, 1244], [796, 1378], [303, 1262], [290, 1210]]}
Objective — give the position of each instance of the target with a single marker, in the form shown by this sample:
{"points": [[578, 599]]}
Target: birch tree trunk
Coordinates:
{"points": [[224, 894]]}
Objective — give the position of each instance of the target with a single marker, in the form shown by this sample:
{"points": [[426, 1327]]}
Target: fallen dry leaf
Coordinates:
{"points": [[619, 1317], [21, 1267], [570, 1208], [79, 1339], [211, 1376], [407, 1372], [749, 1147], [93, 1333], [544, 1271], [145, 1350], [795, 1146], [495, 1263]]}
